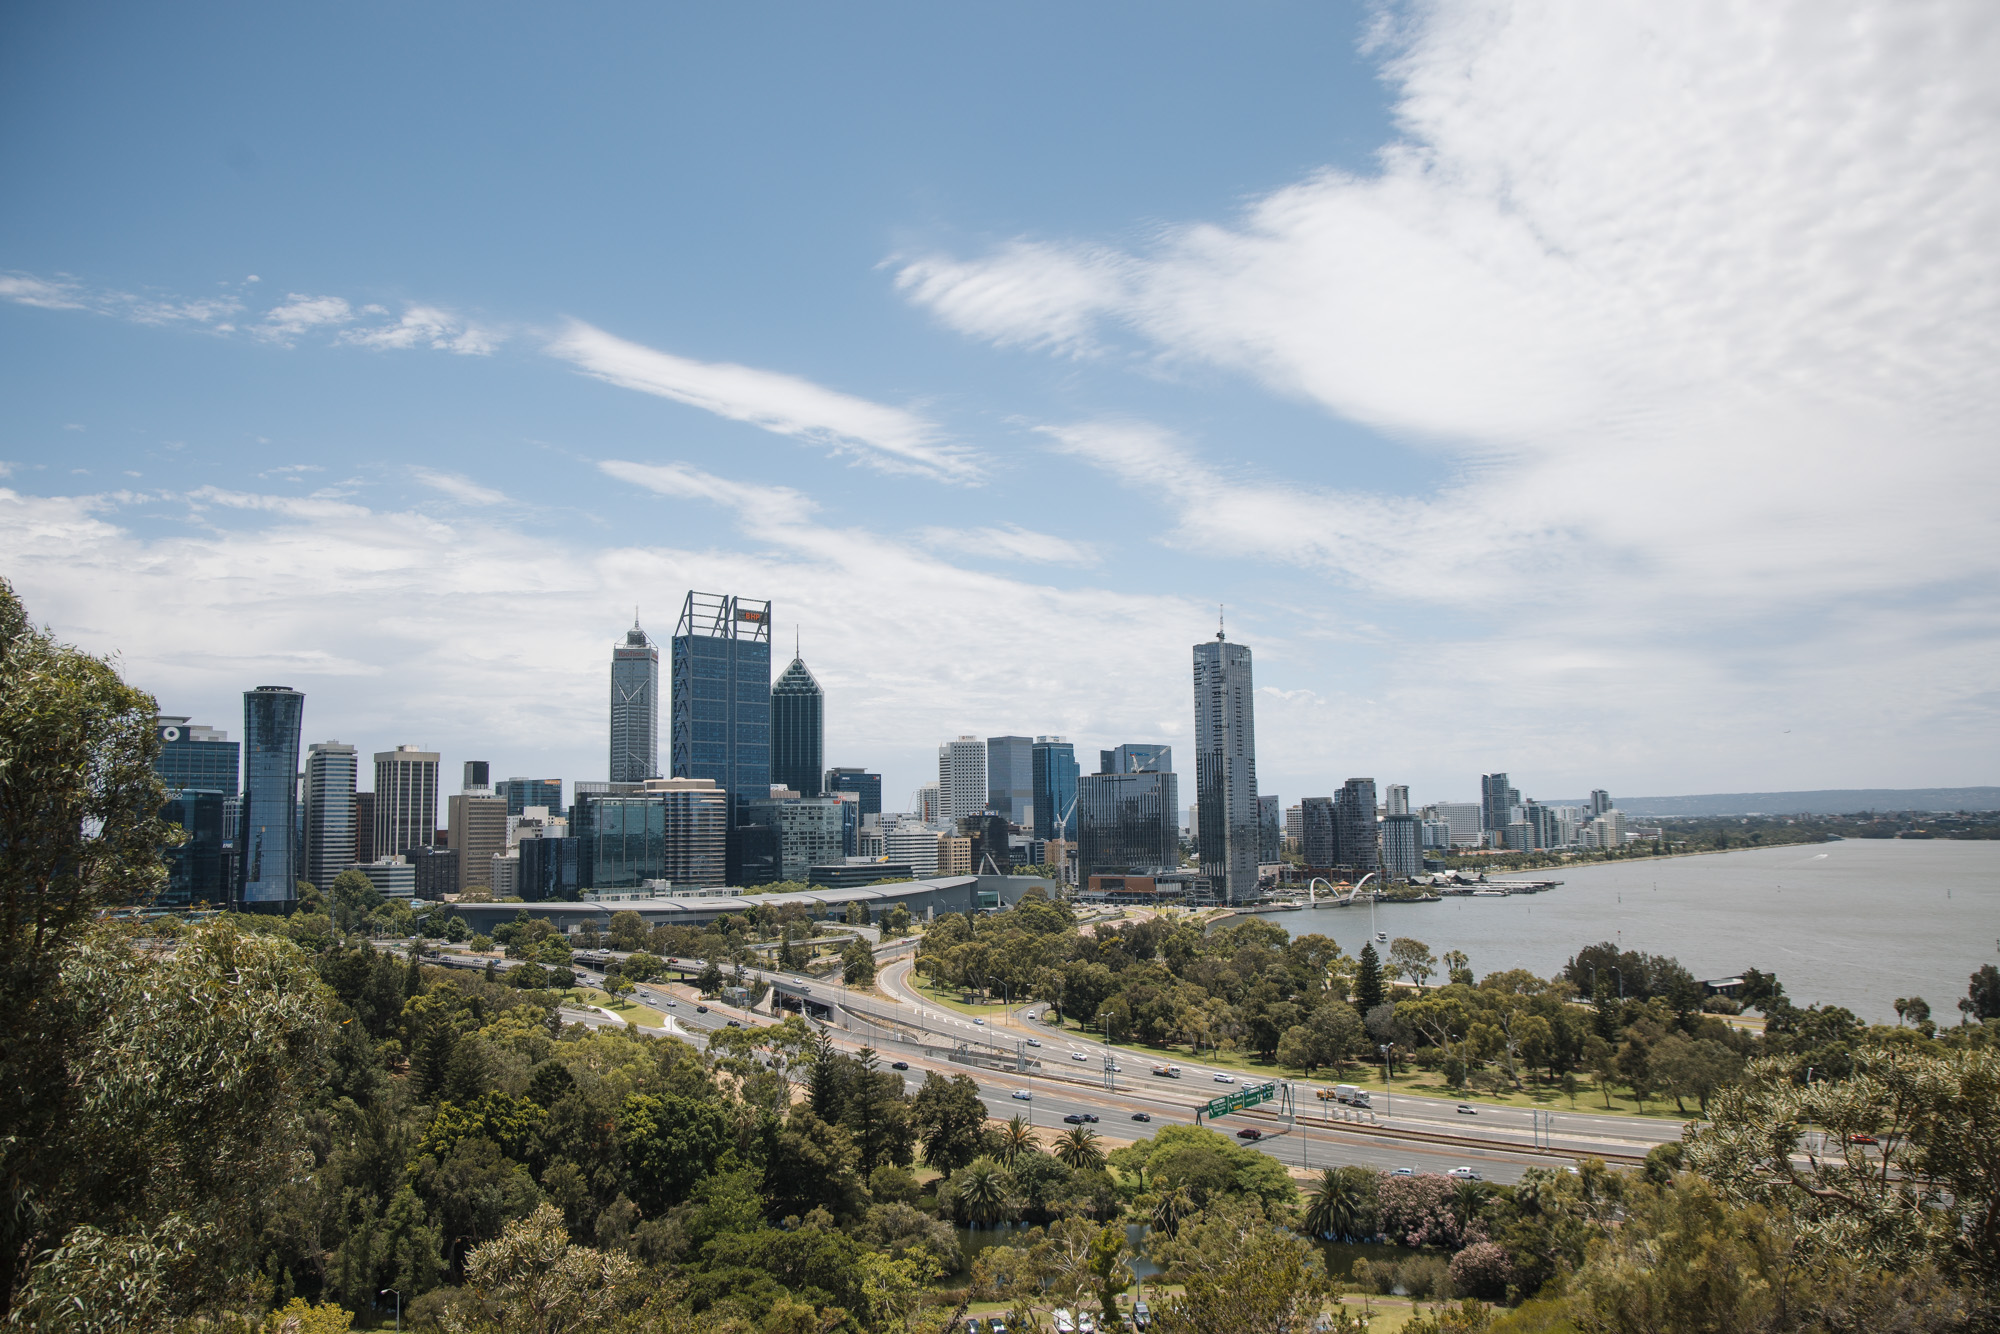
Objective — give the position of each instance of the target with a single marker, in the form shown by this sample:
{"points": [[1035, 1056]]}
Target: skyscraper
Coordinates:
{"points": [[1397, 799], [1402, 846], [267, 851], [1270, 828], [1497, 800], [635, 708], [1136, 758], [198, 765], [1354, 826], [478, 777], [798, 730], [722, 696], [1127, 823], [1225, 761], [961, 777], [331, 770], [406, 800], [196, 757], [1319, 840], [859, 781], [522, 793], [478, 823], [1010, 777], [1054, 761], [1600, 802]]}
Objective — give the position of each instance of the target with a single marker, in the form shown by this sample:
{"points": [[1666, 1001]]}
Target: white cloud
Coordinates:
{"points": [[892, 439], [1014, 542], [459, 487], [426, 326], [1697, 322], [298, 314], [491, 642], [26, 290]]}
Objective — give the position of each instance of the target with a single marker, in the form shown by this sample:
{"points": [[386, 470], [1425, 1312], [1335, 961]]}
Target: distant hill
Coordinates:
{"points": [[1831, 801]]}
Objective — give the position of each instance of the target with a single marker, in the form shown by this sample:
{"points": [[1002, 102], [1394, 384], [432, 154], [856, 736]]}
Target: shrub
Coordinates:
{"points": [[1423, 1277], [1482, 1270]]}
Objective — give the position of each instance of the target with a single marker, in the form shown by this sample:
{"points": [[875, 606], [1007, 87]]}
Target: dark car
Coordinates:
{"points": [[1249, 1132], [1142, 1116], [899, 1065], [701, 1009], [1142, 1315], [1073, 1119], [1088, 1117], [733, 1024]]}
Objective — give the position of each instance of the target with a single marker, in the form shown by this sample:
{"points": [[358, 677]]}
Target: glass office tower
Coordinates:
{"points": [[331, 770], [1354, 826], [1054, 761], [193, 756], [522, 793], [635, 708], [1127, 824], [722, 699], [798, 731], [1010, 777], [267, 852], [868, 786], [1225, 760]]}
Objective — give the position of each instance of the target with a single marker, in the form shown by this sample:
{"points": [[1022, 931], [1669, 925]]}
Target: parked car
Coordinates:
{"points": [[975, 1325], [1034, 1042], [899, 1065], [1463, 1174], [1142, 1116], [1225, 1079], [1024, 1095], [1249, 1132], [1142, 1315], [1467, 1109]]}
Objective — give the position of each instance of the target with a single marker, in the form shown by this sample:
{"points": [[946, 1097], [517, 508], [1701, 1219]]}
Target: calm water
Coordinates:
{"points": [[1855, 923]]}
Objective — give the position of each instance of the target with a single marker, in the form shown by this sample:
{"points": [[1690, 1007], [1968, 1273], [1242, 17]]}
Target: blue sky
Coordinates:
{"points": [[1560, 389]]}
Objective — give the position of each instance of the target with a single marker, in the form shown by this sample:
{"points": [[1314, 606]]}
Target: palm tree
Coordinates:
{"points": [[1336, 1208], [982, 1189], [1016, 1139], [1170, 1207], [1078, 1149]]}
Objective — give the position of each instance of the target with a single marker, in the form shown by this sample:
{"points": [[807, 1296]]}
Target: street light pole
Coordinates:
{"points": [[399, 1309], [1388, 1079]]}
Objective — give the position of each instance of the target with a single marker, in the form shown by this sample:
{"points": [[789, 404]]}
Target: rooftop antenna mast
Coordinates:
{"points": [[1219, 621]]}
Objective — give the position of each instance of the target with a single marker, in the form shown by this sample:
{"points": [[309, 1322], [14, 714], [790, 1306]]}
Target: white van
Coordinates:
{"points": [[1350, 1095]]}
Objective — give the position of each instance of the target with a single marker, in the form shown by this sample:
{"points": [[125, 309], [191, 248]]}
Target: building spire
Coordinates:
{"points": [[1219, 622], [795, 642]]}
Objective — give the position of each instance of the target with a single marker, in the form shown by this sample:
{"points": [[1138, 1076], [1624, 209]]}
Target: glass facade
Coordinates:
{"points": [[1270, 828], [406, 807], [808, 831], [1402, 846], [550, 869], [267, 850], [194, 869], [860, 782], [522, 793], [798, 731], [621, 840], [331, 768], [1354, 826], [1225, 732], [1010, 777], [722, 696], [196, 757], [1055, 788], [1127, 824], [635, 708], [1137, 759]]}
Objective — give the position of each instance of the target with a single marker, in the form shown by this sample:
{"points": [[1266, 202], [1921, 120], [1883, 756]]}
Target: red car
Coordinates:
{"points": [[1862, 1139], [1249, 1132]]}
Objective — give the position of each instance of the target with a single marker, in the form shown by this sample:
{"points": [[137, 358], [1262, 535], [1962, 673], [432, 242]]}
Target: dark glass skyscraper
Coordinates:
{"points": [[868, 786], [722, 696], [192, 756], [194, 869], [1497, 800], [798, 730], [635, 708], [1010, 777], [1360, 851], [1132, 758], [1054, 761], [1225, 767], [1127, 823], [267, 851], [522, 793]]}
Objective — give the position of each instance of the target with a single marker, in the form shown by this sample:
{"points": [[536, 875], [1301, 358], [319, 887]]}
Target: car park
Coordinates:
{"points": [[1024, 1095], [1142, 1116], [899, 1065], [1249, 1132]]}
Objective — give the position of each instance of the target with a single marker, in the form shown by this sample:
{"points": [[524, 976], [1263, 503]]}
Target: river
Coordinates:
{"points": [[1855, 923]]}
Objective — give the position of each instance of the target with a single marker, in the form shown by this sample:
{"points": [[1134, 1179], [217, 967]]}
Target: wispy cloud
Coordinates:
{"points": [[459, 487], [426, 326], [1013, 542], [298, 314], [141, 308], [892, 439], [757, 505]]}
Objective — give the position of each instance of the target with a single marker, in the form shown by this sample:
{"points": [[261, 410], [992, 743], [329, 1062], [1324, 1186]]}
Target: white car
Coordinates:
{"points": [[1225, 1079], [1078, 1056], [979, 1021], [1034, 1042], [1024, 1095], [671, 1003], [1462, 1174]]}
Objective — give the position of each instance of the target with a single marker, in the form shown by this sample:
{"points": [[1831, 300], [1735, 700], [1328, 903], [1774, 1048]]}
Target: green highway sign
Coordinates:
{"points": [[1248, 1097]]}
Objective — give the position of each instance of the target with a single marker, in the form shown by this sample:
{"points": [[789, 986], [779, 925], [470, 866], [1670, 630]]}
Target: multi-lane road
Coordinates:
{"points": [[1065, 1074]]}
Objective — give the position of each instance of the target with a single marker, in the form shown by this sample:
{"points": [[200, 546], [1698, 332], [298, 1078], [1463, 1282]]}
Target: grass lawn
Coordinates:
{"points": [[950, 999], [630, 1012], [1409, 1079]]}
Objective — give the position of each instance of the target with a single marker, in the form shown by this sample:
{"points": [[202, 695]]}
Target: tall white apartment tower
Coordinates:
{"points": [[331, 770], [962, 786], [635, 708], [1398, 797], [406, 800], [1225, 769]]}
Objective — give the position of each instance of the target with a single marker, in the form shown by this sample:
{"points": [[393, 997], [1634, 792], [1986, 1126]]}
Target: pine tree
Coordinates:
{"points": [[1368, 980]]}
